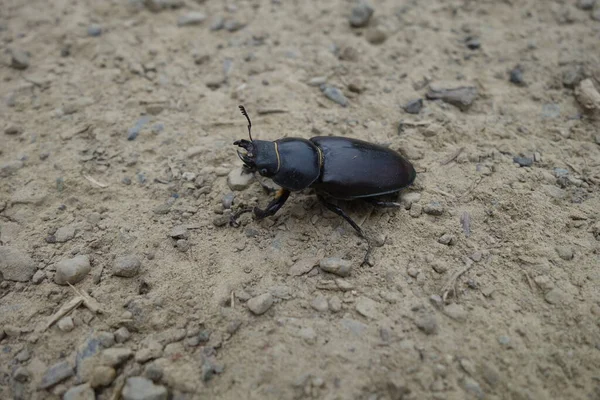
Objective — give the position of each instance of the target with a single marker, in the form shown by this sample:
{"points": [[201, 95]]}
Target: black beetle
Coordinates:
{"points": [[335, 167]]}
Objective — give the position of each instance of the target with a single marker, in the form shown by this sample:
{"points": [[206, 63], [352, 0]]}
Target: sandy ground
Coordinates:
{"points": [[117, 122]]}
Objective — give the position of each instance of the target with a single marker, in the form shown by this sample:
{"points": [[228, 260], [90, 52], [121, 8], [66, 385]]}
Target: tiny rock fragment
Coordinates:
{"points": [[179, 232], [456, 312], [260, 304], [523, 161], [320, 304], [16, 265], [367, 308], [447, 239], [334, 94], [516, 76], [191, 18], [102, 376], [587, 95], [303, 266], [461, 97], [138, 388], [56, 374], [555, 296], [414, 106], [238, 179], [434, 208], [335, 304], [426, 322], [19, 59], [65, 324], [565, 252], [72, 270], [122, 335], [13, 130], [336, 266], [360, 16], [376, 36], [80, 392], [127, 266]]}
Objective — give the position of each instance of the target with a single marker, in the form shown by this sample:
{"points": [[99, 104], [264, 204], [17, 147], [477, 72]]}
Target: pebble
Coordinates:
{"points": [[447, 239], [81, 392], [154, 372], [471, 385], [13, 130], [587, 95], [376, 36], [319, 303], [66, 324], [473, 43], [94, 30], [233, 25], [456, 312], [344, 285], [414, 106], [10, 168], [56, 374], [523, 161], [133, 132], [16, 265], [360, 16], [21, 375], [227, 201], [434, 208], [220, 220], [64, 234], [303, 266], [413, 272], [461, 97], [317, 81], [565, 252], [572, 76], [367, 307], [415, 210], [238, 179], [555, 296], [106, 339], [426, 322], [138, 388], [260, 304], [127, 266], [188, 176], [23, 355], [335, 304], [544, 283], [191, 18], [183, 245], [179, 232], [150, 351], [516, 76], [586, 4], [122, 335], [19, 59], [336, 266], [102, 376], [114, 357], [334, 94], [72, 270]]}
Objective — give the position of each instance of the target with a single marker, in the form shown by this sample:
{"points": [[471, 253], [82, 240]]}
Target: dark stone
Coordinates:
{"points": [[414, 106]]}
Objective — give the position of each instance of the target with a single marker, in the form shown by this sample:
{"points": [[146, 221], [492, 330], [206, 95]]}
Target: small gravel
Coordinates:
{"points": [[320, 304], [56, 374], [66, 324], [191, 18], [72, 270], [516, 76], [138, 388], [461, 97], [368, 308], [434, 208], [523, 161], [260, 304], [122, 335], [19, 59], [81, 392], [565, 252], [127, 266], [238, 179], [360, 16], [336, 266], [94, 30], [334, 94], [414, 106], [102, 376]]}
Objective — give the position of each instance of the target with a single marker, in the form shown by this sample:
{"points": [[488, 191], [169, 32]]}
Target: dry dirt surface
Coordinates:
{"points": [[120, 276]]}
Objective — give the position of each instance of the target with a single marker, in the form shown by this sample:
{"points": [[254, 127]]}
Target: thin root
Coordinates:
{"points": [[450, 286]]}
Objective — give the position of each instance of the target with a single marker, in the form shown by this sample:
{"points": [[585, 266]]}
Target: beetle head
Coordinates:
{"points": [[259, 156]]}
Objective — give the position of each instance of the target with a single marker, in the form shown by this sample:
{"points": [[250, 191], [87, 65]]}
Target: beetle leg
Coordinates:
{"points": [[341, 213], [274, 206], [384, 203]]}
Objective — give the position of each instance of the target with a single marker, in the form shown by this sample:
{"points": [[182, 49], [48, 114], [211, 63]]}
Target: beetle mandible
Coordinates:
{"points": [[335, 167]]}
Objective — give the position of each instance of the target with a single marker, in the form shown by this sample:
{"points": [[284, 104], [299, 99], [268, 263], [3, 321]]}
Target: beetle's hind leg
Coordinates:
{"points": [[341, 213], [271, 209]]}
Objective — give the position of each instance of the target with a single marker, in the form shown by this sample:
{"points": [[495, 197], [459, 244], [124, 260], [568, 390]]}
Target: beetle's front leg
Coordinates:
{"points": [[274, 206]]}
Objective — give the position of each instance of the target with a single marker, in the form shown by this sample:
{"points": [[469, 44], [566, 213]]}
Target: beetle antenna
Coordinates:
{"points": [[245, 114]]}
